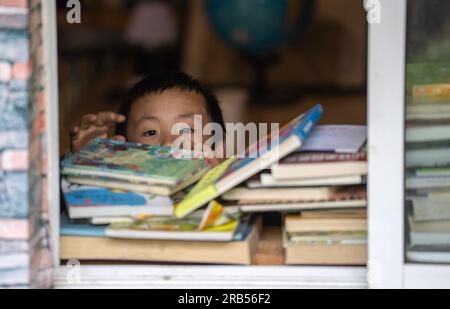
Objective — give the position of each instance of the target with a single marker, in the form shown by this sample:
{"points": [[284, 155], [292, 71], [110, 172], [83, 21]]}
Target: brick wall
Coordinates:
{"points": [[25, 258]]}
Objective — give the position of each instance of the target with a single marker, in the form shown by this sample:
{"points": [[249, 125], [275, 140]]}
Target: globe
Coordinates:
{"points": [[258, 27]]}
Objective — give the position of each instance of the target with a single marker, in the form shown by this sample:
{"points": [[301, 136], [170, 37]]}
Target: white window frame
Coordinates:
{"points": [[163, 276], [387, 55]]}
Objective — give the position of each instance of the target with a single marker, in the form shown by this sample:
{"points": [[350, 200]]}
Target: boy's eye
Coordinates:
{"points": [[186, 131], [150, 133]]}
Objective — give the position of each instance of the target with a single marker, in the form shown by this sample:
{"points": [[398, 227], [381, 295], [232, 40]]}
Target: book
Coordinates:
{"points": [[347, 197], [80, 229], [128, 162], [339, 255], [319, 253], [417, 133], [320, 165], [134, 186], [300, 224], [431, 91], [258, 157], [429, 233], [170, 229], [416, 182], [329, 238], [428, 254], [433, 206], [89, 202], [97, 229], [336, 138], [431, 157], [109, 249], [268, 181], [424, 111], [243, 194]]}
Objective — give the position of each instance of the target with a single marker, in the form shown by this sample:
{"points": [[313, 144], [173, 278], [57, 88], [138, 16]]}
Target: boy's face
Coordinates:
{"points": [[152, 117]]}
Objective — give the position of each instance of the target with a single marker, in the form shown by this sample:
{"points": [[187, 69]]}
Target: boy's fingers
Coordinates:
{"points": [[88, 119], [109, 118], [74, 133]]}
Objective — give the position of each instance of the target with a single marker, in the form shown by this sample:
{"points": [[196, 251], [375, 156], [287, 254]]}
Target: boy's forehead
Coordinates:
{"points": [[182, 103]]}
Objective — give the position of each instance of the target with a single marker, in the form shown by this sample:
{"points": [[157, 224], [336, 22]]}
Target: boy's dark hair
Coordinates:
{"points": [[158, 83]]}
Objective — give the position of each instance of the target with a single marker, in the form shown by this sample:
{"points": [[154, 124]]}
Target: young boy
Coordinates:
{"points": [[150, 111]]}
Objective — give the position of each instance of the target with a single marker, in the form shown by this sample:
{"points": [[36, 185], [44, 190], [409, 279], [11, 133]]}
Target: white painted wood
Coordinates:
{"points": [[386, 86], [427, 276], [52, 121], [211, 277]]}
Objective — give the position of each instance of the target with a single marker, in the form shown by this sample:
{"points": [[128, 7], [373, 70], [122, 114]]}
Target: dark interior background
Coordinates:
{"points": [[119, 41]]}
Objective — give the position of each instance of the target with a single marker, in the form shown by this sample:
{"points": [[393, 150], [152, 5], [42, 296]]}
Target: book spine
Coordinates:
{"points": [[431, 91], [310, 119]]}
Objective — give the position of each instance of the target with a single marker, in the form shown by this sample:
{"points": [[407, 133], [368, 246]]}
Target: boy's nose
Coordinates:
{"points": [[167, 140]]}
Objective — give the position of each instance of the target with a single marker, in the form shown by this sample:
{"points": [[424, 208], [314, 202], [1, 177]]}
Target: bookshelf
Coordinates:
{"points": [[387, 266], [390, 55]]}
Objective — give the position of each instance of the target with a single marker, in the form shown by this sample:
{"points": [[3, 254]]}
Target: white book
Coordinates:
{"points": [[279, 194], [427, 157], [419, 134], [433, 207], [267, 180], [171, 235], [295, 207], [336, 138]]}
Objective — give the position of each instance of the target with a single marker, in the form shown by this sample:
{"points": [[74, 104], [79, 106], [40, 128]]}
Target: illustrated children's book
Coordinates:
{"points": [[85, 202], [129, 166], [258, 157], [214, 224]]}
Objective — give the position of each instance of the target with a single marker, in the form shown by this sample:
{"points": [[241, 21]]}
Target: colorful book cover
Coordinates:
{"points": [[214, 224], [88, 202], [154, 164], [260, 156]]}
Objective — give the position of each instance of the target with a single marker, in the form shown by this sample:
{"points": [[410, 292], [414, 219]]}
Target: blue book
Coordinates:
{"points": [[260, 156], [85, 202], [68, 228]]}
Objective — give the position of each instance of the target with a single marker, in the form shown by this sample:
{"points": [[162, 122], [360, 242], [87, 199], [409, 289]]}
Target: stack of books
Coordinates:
{"points": [[327, 174], [121, 199], [298, 169], [326, 238], [428, 172]]}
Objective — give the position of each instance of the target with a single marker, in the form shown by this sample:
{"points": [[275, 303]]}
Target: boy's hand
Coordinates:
{"points": [[92, 127]]}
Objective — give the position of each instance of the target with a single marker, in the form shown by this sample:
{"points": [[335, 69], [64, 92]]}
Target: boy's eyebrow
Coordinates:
{"points": [[147, 117], [189, 115]]}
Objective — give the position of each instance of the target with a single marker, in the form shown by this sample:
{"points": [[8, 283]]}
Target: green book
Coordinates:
{"points": [[127, 166]]}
